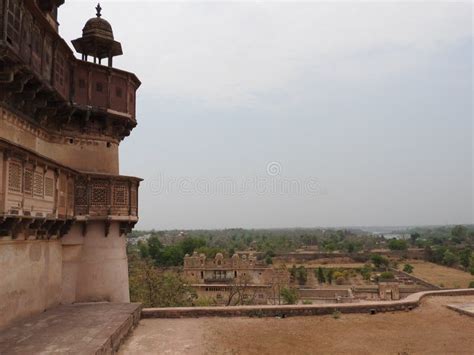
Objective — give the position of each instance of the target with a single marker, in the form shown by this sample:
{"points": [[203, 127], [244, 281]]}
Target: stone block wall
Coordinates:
{"points": [[30, 278]]}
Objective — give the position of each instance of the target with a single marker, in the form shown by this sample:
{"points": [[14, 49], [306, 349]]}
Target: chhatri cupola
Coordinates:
{"points": [[97, 40]]}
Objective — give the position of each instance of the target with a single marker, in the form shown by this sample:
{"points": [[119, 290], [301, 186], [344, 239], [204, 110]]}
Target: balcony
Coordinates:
{"points": [[108, 197], [41, 76], [41, 198]]}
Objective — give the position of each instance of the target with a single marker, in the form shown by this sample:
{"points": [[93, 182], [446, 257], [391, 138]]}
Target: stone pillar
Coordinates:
{"points": [[72, 253], [95, 267], [103, 270]]}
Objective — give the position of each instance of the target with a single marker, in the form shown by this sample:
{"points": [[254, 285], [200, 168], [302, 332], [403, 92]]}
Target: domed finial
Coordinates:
{"points": [[99, 9]]}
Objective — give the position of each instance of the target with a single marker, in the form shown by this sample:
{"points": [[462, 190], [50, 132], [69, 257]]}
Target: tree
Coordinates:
{"points": [[459, 231], [302, 275], [321, 278], [366, 271], [155, 289], [268, 260], [471, 284], [172, 291], [408, 268], [280, 279], [379, 261], [329, 276], [240, 291], [397, 244], [465, 257], [289, 295], [386, 275], [154, 247], [414, 237], [449, 258]]}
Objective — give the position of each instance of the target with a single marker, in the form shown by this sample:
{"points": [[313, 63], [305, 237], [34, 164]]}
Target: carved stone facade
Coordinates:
{"points": [[217, 278], [64, 208]]}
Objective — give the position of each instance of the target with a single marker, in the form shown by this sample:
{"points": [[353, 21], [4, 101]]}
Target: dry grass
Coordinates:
{"points": [[429, 329], [440, 275]]}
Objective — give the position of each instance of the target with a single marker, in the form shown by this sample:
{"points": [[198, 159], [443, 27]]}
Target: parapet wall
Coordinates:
{"points": [[407, 304]]}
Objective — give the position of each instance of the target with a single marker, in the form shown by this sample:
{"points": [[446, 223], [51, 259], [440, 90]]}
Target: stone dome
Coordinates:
{"points": [[98, 27], [97, 40]]}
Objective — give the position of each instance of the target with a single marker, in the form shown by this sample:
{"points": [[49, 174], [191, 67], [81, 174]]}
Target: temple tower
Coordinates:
{"points": [[64, 208]]}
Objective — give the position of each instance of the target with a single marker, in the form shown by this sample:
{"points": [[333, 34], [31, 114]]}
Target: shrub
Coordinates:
{"points": [[387, 275], [204, 301], [336, 314], [340, 280], [289, 295], [320, 275], [449, 258], [366, 271], [408, 268], [307, 302], [379, 260], [268, 260], [397, 244], [471, 284]]}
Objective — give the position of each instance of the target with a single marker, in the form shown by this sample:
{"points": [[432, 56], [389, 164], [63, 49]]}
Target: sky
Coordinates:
{"points": [[262, 114]]}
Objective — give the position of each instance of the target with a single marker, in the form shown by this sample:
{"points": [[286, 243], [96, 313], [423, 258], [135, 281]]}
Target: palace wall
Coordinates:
{"points": [[102, 267], [73, 150], [30, 277]]}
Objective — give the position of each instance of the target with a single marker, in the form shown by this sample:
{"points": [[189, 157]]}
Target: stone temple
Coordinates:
{"points": [[64, 207]]}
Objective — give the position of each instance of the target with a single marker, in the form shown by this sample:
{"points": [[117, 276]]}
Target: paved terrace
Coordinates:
{"points": [[100, 328], [430, 329], [89, 328]]}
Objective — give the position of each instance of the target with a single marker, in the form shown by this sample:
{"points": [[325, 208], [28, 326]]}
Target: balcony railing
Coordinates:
{"points": [[36, 188], [99, 196]]}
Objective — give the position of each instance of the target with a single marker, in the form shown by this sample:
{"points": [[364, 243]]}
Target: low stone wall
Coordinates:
{"points": [[416, 279], [412, 301]]}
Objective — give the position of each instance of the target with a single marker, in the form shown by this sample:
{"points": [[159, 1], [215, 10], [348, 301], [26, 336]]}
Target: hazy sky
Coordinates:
{"points": [[285, 114]]}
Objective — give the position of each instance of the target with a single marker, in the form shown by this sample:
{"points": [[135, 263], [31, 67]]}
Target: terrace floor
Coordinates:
{"points": [[87, 328], [431, 328]]}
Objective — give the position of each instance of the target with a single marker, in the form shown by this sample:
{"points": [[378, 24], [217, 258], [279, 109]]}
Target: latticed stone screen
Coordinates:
{"points": [[48, 187], [38, 184], [99, 193], [14, 176], [28, 181], [120, 194], [70, 194]]}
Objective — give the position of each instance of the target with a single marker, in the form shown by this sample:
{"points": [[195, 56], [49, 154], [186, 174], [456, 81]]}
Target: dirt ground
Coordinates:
{"points": [[429, 329], [438, 274]]}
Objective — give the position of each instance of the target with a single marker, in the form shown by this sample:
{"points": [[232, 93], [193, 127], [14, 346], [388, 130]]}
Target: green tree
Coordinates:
{"points": [[449, 258], [414, 237], [459, 231], [471, 284], [366, 272], [189, 244], [321, 277], [379, 260], [397, 244], [154, 247], [302, 275], [289, 295], [465, 257], [408, 268], [329, 276], [386, 275]]}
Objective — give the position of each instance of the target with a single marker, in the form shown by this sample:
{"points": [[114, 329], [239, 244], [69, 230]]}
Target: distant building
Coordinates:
{"points": [[243, 278]]}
